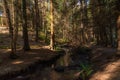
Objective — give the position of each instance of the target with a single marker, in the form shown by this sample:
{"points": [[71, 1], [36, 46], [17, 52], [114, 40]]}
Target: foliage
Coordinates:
{"points": [[86, 71]]}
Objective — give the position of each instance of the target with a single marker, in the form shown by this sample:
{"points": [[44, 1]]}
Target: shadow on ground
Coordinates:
{"points": [[26, 59], [106, 64]]}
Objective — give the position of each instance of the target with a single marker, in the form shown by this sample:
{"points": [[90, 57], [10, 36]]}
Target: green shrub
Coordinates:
{"points": [[86, 71]]}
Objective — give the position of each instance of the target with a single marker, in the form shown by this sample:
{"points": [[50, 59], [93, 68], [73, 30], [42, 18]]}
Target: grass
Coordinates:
{"points": [[86, 71]]}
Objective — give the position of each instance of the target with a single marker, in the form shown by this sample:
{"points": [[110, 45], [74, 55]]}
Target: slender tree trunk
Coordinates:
{"points": [[82, 22], [118, 32], [37, 20], [10, 26], [43, 15], [33, 17], [16, 10], [51, 26], [26, 45]]}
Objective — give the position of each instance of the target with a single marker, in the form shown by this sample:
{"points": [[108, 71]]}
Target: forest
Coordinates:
{"points": [[59, 39]]}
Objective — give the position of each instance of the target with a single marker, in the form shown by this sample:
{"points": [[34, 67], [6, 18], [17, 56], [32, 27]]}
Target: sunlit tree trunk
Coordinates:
{"points": [[51, 26], [82, 24], [43, 15], [46, 22], [26, 45]]}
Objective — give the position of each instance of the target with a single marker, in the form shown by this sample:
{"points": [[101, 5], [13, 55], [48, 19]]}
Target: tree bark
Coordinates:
{"points": [[118, 32], [26, 45], [16, 10], [51, 26], [10, 25], [37, 20]]}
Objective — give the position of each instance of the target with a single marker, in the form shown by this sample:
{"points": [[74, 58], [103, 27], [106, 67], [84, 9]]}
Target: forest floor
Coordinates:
{"points": [[39, 52], [106, 64], [25, 60]]}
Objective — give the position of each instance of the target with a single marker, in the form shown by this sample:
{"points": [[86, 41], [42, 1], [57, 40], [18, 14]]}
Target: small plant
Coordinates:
{"points": [[57, 48], [86, 71]]}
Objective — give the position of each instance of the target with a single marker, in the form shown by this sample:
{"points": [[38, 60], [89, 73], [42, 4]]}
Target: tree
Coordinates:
{"points": [[37, 17], [26, 45], [10, 27], [51, 26], [118, 32], [15, 23]]}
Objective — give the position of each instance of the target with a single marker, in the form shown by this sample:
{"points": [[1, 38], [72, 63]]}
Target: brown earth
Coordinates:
{"points": [[106, 64]]}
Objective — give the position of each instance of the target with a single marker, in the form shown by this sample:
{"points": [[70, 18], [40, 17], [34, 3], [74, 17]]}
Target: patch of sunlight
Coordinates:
{"points": [[4, 50], [112, 66], [109, 71], [17, 62], [46, 47], [101, 75], [8, 50], [5, 32]]}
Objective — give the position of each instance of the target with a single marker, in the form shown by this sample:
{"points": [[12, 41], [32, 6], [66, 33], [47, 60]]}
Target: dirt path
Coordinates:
{"points": [[106, 64]]}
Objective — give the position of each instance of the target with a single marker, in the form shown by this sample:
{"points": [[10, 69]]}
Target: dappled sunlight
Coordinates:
{"points": [[111, 70], [101, 76], [4, 51], [108, 71], [46, 47], [60, 39], [18, 62], [106, 63], [111, 67], [4, 30]]}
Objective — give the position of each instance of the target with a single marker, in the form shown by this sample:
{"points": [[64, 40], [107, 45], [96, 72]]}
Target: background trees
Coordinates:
{"points": [[77, 22]]}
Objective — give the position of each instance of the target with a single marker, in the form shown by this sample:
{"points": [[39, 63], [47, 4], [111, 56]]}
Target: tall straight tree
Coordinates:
{"points": [[37, 19], [26, 45], [9, 22], [51, 26], [16, 10]]}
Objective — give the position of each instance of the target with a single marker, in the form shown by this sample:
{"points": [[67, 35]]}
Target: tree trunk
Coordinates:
{"points": [[10, 25], [37, 20], [26, 45], [51, 26], [118, 32], [16, 10]]}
